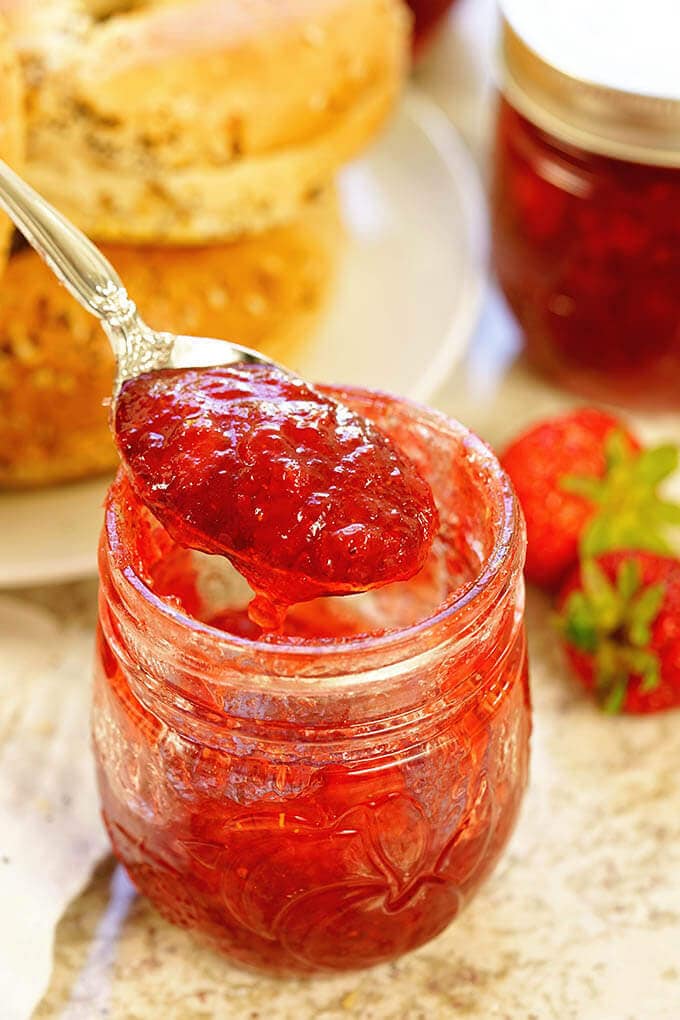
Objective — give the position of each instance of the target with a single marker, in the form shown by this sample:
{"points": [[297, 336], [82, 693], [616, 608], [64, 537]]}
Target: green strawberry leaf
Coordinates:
{"points": [[614, 699], [601, 595], [617, 449], [628, 530], [613, 624], [665, 513], [592, 489], [652, 466], [628, 512], [628, 579], [596, 537], [608, 668], [625, 529], [642, 613], [646, 665], [578, 623], [651, 678]]}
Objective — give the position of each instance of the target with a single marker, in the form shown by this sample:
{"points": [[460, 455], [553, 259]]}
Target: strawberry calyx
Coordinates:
{"points": [[611, 623], [630, 513]]}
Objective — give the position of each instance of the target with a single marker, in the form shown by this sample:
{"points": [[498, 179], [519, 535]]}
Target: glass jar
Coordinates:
{"points": [[316, 803], [586, 213]]}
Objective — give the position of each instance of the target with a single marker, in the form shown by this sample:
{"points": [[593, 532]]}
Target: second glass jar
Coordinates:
{"points": [[586, 217]]}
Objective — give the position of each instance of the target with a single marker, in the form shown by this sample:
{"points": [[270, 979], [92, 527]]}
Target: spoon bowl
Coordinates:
{"points": [[205, 351], [94, 283]]}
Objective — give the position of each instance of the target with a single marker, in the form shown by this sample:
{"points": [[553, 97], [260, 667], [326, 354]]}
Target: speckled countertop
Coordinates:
{"points": [[581, 921]]}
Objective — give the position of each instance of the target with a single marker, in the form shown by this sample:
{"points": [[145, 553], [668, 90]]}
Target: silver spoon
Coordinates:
{"points": [[95, 284]]}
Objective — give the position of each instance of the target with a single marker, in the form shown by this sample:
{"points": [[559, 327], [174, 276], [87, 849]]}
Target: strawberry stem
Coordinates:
{"points": [[629, 513], [612, 623]]}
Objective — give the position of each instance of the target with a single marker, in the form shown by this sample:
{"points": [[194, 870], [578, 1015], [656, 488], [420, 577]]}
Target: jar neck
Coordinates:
{"points": [[196, 678], [605, 121], [377, 706]]}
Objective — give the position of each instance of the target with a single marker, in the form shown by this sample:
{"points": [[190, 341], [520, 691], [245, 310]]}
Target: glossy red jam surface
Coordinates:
{"points": [[329, 796], [428, 15], [304, 496], [587, 251]]}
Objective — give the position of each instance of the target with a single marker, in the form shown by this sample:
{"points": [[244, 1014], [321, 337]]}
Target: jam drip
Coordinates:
{"points": [[303, 495]]}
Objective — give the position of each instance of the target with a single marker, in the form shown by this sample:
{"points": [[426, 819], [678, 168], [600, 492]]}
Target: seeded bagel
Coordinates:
{"points": [[186, 121], [11, 125]]}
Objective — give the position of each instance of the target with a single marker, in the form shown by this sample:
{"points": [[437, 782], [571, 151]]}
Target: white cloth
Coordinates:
{"points": [[50, 830]]}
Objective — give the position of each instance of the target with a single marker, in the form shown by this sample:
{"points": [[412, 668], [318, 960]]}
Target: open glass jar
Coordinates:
{"points": [[586, 197], [329, 798]]}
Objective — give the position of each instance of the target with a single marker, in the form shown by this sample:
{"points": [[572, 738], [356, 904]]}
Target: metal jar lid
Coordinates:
{"points": [[601, 74]]}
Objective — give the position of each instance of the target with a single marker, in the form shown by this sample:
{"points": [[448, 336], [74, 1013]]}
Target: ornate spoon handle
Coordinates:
{"points": [[95, 284], [70, 255], [84, 271]]}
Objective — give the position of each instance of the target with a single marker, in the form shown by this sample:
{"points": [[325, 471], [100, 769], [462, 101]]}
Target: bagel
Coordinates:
{"points": [[56, 366], [191, 121], [11, 125]]}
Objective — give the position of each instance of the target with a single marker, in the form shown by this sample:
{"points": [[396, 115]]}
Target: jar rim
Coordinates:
{"points": [[503, 563], [600, 118]]}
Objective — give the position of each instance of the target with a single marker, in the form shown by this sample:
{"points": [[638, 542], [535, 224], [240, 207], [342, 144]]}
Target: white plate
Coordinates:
{"points": [[404, 308], [410, 286]]}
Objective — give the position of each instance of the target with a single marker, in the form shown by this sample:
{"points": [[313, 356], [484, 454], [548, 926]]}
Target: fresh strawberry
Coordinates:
{"points": [[586, 487], [620, 622]]}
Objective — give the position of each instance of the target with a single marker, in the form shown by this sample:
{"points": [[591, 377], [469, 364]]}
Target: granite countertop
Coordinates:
{"points": [[581, 921]]}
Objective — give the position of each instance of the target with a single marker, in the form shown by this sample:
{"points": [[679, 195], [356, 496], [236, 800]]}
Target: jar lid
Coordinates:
{"points": [[601, 74]]}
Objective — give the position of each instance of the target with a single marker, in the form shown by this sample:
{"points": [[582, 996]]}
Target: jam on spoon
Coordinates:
{"points": [[303, 495]]}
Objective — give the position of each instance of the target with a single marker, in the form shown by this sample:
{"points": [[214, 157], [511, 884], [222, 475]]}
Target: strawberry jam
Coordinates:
{"points": [[304, 496], [587, 251], [329, 795]]}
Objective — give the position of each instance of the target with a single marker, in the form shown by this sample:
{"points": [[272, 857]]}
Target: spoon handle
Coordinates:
{"points": [[95, 284], [73, 259]]}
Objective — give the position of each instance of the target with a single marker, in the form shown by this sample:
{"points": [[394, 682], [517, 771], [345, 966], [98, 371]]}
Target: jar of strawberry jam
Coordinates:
{"points": [[586, 195], [330, 796]]}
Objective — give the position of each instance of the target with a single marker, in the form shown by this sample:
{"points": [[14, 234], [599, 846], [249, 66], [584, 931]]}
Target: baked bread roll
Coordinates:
{"points": [[11, 125], [186, 121], [56, 366]]}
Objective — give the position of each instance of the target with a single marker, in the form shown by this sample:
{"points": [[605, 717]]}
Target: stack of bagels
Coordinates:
{"points": [[196, 141]]}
